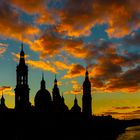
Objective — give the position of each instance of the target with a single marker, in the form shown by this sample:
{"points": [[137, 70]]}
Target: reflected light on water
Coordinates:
{"points": [[131, 133]]}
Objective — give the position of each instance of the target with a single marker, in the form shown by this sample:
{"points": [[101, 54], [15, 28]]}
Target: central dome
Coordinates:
{"points": [[43, 100]]}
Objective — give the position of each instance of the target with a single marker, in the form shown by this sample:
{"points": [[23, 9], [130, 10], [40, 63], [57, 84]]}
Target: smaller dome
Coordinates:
{"points": [[76, 108]]}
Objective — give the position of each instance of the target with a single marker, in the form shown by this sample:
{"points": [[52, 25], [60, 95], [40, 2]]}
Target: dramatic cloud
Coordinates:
{"points": [[75, 70], [52, 43], [76, 88], [133, 39], [49, 44], [3, 45], [108, 74], [2, 50], [122, 17], [6, 90], [61, 66], [41, 65], [114, 71], [127, 82], [39, 7], [11, 26], [108, 77], [30, 6]]}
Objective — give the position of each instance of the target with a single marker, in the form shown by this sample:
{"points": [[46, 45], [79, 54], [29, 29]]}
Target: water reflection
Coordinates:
{"points": [[131, 133]]}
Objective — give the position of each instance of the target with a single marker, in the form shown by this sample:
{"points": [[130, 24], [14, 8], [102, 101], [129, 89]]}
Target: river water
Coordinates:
{"points": [[131, 133]]}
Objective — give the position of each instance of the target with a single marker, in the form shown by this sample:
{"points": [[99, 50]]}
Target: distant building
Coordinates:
{"points": [[22, 87], [64, 107], [3, 107], [76, 109], [87, 99]]}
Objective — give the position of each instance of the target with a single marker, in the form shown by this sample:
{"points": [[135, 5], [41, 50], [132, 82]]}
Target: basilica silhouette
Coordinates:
{"points": [[43, 102]]}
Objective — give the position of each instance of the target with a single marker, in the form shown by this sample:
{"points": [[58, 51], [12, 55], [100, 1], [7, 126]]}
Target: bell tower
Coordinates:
{"points": [[22, 88], [87, 99]]}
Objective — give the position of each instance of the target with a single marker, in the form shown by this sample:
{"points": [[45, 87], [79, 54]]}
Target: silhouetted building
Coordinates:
{"points": [[43, 100], [22, 88], [64, 107], [56, 97], [87, 99], [2, 104], [76, 109]]}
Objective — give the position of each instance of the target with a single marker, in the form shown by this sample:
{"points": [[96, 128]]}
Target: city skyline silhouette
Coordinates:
{"points": [[50, 115], [69, 69], [43, 101]]}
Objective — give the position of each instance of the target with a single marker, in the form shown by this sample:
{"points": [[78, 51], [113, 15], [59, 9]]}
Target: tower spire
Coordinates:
{"points": [[22, 59], [22, 46], [86, 71], [42, 76], [43, 84], [55, 80], [75, 100]]}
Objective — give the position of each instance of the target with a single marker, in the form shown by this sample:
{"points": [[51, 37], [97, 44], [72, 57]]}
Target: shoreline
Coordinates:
{"points": [[24, 126]]}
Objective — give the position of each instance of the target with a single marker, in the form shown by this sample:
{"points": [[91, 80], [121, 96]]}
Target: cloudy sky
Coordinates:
{"points": [[63, 37]]}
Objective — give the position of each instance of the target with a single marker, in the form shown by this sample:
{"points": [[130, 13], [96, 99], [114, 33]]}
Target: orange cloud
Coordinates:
{"points": [[2, 50], [12, 27], [76, 88], [79, 21], [41, 65], [109, 77], [52, 43], [75, 70], [45, 15], [106, 69], [3, 45], [6, 90], [126, 82], [112, 71], [61, 66], [48, 45], [31, 6]]}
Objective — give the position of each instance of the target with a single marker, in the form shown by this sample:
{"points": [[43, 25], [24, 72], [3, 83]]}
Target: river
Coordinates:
{"points": [[131, 133]]}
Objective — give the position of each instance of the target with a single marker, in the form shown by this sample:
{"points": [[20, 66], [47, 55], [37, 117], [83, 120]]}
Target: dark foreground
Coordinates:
{"points": [[41, 126]]}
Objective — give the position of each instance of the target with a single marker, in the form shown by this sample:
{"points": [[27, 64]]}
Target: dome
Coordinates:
{"points": [[43, 100], [76, 108]]}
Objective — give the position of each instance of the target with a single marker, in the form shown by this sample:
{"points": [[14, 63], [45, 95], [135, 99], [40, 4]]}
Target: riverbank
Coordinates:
{"points": [[27, 126], [42, 127]]}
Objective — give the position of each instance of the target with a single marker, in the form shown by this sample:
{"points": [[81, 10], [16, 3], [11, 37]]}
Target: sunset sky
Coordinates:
{"points": [[63, 37]]}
